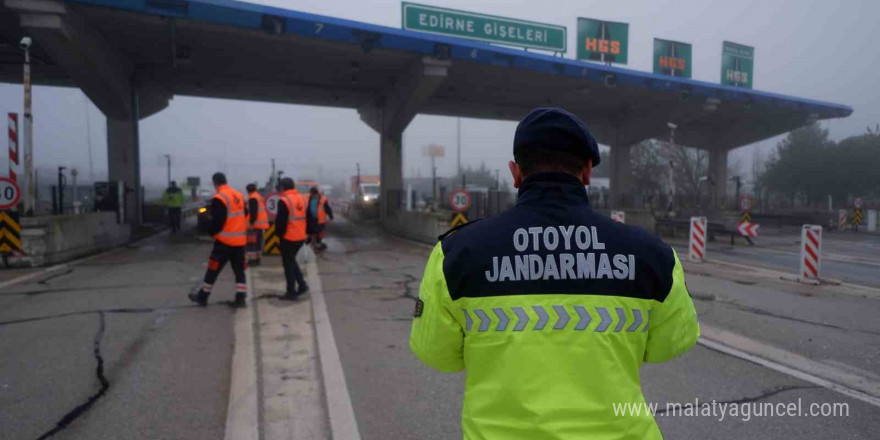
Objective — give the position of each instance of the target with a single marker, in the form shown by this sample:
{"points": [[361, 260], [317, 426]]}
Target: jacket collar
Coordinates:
{"points": [[562, 187]]}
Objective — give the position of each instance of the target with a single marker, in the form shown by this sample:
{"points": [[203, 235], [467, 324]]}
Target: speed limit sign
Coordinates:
{"points": [[460, 200], [272, 203], [10, 193], [857, 203]]}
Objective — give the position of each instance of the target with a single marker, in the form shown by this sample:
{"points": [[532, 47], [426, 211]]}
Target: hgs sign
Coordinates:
{"points": [[604, 41]]}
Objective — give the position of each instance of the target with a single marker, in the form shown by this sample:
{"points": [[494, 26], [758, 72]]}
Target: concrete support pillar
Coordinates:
{"points": [[389, 115], [391, 171], [123, 156], [718, 174], [621, 177]]}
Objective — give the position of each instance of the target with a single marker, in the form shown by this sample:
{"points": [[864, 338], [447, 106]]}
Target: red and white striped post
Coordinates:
{"points": [[811, 252], [697, 245], [841, 220], [13, 145]]}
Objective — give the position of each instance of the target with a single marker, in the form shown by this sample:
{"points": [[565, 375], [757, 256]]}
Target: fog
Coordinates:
{"points": [[813, 49]]}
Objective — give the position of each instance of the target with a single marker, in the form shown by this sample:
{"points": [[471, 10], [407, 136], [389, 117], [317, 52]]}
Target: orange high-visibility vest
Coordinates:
{"points": [[262, 221], [322, 213], [296, 211], [234, 232]]}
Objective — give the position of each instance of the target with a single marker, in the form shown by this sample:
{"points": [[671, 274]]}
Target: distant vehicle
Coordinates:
{"points": [[365, 189], [204, 218], [205, 194]]}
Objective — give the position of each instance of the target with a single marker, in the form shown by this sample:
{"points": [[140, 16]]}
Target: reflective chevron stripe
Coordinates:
{"points": [[502, 319], [543, 317], [522, 319], [605, 319], [584, 317], [563, 318], [484, 320], [468, 322]]}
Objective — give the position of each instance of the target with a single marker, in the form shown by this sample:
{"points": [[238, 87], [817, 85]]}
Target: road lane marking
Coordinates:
{"points": [[343, 423], [57, 267], [242, 414], [792, 364]]}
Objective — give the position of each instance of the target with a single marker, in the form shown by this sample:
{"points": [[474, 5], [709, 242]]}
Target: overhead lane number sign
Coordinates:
{"points": [[482, 27], [737, 64], [672, 58], [604, 41]]}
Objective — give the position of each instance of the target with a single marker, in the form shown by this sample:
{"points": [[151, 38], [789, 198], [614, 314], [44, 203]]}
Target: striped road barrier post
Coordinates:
{"points": [[697, 244], [811, 252]]}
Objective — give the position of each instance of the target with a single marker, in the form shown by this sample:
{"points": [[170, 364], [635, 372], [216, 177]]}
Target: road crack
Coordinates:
{"points": [[76, 412], [767, 393]]}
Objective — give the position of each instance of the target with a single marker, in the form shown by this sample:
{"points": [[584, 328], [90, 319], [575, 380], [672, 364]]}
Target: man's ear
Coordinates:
{"points": [[586, 172], [516, 173]]}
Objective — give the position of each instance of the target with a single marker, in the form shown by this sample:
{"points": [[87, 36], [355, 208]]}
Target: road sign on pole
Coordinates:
{"points": [[482, 27], [460, 200], [272, 202], [618, 216], [10, 193], [857, 203], [745, 203], [737, 65], [10, 233], [672, 58], [811, 252], [458, 219], [697, 248], [748, 229]]}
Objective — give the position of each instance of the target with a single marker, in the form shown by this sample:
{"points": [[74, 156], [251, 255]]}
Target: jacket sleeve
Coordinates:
{"points": [[673, 325], [328, 209], [253, 209], [218, 216], [436, 337], [281, 219]]}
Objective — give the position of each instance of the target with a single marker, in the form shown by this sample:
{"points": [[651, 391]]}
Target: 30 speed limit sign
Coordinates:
{"points": [[272, 203], [460, 200], [10, 193]]}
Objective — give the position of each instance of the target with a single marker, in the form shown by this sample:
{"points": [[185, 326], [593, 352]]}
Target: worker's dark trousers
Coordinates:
{"points": [[254, 244], [291, 268], [219, 256], [174, 218]]}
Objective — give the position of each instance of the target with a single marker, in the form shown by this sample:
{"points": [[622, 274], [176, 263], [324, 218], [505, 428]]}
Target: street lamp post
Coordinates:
{"points": [[29, 200], [168, 157]]}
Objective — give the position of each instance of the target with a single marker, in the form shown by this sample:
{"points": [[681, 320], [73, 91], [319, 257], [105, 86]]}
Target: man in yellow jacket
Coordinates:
{"points": [[550, 307]]}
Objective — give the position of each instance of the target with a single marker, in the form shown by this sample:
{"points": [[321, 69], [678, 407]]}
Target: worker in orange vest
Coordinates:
{"points": [[290, 225], [318, 212], [258, 221], [229, 229]]}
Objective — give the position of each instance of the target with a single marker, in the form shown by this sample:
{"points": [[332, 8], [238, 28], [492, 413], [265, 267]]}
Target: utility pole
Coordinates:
{"points": [[29, 201], [273, 185], [168, 156], [458, 136], [74, 173], [61, 185]]}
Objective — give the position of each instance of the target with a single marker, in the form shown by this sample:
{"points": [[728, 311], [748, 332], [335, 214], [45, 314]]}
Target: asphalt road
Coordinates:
{"points": [[846, 256], [167, 363], [370, 281]]}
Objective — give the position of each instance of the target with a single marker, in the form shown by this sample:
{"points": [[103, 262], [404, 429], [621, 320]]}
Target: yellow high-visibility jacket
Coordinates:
{"points": [[551, 309]]}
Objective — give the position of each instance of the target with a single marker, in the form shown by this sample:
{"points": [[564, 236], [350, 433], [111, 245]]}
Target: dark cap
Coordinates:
{"points": [[555, 129]]}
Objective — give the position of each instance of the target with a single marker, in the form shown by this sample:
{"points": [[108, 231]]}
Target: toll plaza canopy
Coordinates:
{"points": [[229, 49]]}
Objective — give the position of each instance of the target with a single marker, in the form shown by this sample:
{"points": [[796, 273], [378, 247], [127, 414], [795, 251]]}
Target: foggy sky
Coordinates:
{"points": [[824, 50]]}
